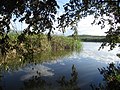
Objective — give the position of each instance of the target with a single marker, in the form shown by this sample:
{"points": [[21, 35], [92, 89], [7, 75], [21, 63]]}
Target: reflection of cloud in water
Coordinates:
{"points": [[32, 71], [90, 51], [60, 61]]}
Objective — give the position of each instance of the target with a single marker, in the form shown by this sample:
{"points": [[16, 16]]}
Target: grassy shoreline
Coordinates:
{"points": [[39, 43], [37, 49]]}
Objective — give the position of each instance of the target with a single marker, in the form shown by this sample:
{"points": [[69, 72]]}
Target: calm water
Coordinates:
{"points": [[86, 63]]}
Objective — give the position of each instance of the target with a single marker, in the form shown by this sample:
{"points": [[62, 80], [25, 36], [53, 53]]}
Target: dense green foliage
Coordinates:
{"points": [[62, 42], [39, 43], [56, 43], [36, 49]]}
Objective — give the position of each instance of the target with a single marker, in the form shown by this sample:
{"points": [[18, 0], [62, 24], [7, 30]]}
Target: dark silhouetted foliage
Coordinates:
{"points": [[111, 76]]}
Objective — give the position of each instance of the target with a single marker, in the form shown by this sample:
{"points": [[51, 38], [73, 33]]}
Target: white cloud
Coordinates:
{"points": [[85, 27], [90, 52]]}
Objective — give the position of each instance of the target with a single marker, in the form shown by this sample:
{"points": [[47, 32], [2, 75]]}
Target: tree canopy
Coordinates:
{"points": [[40, 16]]}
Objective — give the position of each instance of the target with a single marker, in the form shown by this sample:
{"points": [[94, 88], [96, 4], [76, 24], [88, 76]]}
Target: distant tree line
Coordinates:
{"points": [[90, 38]]}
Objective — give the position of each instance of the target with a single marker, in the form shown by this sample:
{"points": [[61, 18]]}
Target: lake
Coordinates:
{"points": [[53, 74]]}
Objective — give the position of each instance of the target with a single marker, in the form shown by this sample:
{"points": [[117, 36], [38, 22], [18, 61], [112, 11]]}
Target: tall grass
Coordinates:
{"points": [[40, 43], [39, 48], [65, 43]]}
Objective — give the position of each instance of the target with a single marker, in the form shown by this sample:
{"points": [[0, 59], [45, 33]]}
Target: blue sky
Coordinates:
{"points": [[84, 26]]}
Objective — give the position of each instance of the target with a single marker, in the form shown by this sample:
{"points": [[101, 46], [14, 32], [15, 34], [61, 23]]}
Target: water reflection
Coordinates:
{"points": [[36, 70], [72, 83], [110, 74], [53, 70], [90, 50], [1, 88], [20, 62], [36, 82]]}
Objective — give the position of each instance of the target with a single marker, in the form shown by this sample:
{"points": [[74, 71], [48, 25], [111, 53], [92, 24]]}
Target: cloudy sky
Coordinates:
{"points": [[84, 26]]}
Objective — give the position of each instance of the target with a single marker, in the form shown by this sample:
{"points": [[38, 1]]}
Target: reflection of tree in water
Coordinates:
{"points": [[111, 76], [1, 88], [36, 82], [70, 84], [12, 64]]}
